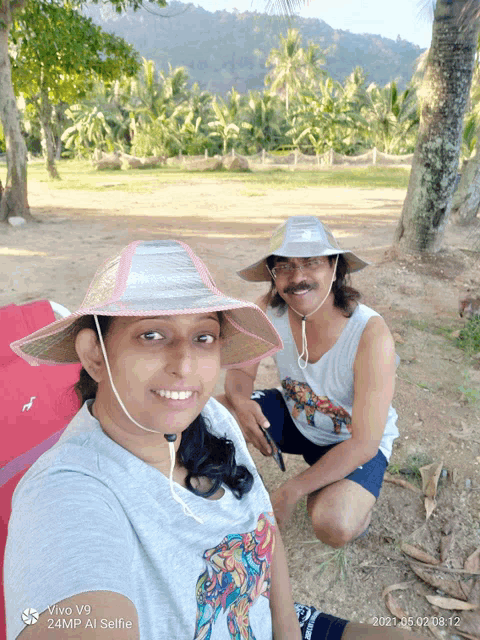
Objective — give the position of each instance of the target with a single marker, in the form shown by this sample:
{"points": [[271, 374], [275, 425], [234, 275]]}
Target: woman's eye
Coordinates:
{"points": [[206, 338], [151, 336]]}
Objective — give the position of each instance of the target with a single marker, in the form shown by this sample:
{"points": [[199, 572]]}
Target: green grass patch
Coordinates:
{"points": [[469, 338], [337, 561], [350, 177], [80, 175], [410, 467], [469, 393], [428, 326]]}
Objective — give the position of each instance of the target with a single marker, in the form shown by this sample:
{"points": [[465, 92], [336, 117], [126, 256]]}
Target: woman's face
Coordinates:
{"points": [[164, 368]]}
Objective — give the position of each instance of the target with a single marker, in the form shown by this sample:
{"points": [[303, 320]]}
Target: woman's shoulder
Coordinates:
{"points": [[221, 421]]}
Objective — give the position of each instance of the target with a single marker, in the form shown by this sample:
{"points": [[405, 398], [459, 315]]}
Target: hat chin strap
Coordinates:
{"points": [[303, 363], [170, 437]]}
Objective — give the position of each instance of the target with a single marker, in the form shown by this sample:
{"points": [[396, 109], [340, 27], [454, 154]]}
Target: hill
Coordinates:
{"points": [[223, 49]]}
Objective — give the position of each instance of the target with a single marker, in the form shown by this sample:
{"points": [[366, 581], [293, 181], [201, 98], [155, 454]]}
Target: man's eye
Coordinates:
{"points": [[150, 336], [284, 267]]}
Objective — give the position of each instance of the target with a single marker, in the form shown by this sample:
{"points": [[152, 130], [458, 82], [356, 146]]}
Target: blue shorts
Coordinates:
{"points": [[289, 439]]}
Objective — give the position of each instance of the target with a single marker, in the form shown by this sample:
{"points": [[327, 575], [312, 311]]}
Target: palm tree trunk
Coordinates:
{"points": [[14, 201], [466, 199], [445, 93]]}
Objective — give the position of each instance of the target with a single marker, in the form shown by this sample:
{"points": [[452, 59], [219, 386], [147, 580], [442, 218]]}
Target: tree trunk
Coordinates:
{"points": [[15, 200], [46, 115], [444, 94], [466, 199]]}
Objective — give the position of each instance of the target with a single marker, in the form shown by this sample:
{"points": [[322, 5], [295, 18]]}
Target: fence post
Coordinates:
{"points": [[330, 157], [263, 156], [296, 156], [206, 154], [233, 153], [374, 155], [318, 158]]}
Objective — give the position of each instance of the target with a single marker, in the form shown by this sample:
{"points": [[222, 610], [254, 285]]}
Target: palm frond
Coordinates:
{"points": [[284, 7]]}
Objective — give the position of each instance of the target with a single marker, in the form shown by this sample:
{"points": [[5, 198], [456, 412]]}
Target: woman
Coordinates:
{"points": [[98, 544]]}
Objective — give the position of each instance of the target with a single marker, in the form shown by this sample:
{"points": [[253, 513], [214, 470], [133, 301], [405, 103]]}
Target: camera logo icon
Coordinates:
{"points": [[30, 616]]}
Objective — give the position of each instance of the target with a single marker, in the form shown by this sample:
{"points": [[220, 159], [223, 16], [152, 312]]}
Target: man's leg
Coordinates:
{"points": [[340, 512]]}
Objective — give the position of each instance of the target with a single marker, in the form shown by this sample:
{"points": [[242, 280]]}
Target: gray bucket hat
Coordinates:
{"points": [[300, 237], [154, 278]]}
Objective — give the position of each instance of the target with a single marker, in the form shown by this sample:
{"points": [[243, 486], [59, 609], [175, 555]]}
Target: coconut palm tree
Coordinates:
{"points": [[444, 95], [262, 118], [392, 116], [288, 62]]}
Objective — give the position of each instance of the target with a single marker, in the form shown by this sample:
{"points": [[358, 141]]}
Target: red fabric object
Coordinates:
{"points": [[37, 403]]}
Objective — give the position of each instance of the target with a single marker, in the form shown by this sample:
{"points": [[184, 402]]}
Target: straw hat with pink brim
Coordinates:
{"points": [[156, 278], [300, 237]]}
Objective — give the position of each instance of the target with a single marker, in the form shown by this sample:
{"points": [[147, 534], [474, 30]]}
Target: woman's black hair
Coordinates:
{"points": [[345, 297], [203, 454]]}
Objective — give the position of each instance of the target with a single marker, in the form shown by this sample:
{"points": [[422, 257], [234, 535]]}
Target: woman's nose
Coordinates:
{"points": [[180, 361]]}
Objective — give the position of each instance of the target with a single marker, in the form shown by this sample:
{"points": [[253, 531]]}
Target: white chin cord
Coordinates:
{"points": [[303, 357], [170, 437]]}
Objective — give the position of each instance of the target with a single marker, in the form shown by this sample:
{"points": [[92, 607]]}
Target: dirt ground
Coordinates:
{"points": [[228, 225]]}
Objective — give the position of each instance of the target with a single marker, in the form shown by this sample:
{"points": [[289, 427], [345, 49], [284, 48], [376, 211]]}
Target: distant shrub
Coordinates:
{"points": [[469, 338]]}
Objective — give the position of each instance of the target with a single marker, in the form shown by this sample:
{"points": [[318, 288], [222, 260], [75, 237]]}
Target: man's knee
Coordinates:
{"points": [[336, 528], [333, 534]]}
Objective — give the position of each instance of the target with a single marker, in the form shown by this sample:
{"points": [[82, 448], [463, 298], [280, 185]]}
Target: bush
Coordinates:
{"points": [[469, 338]]}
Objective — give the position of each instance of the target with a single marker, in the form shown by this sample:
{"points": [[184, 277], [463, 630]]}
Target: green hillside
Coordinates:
{"points": [[223, 49]]}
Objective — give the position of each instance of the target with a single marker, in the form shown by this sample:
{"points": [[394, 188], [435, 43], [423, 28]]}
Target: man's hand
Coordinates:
{"points": [[284, 500], [250, 416]]}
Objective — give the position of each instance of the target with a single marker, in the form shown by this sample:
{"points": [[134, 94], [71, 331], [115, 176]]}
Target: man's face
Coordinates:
{"points": [[303, 282]]}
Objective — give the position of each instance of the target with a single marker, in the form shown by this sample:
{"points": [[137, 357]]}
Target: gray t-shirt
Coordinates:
{"points": [[320, 397], [89, 516]]}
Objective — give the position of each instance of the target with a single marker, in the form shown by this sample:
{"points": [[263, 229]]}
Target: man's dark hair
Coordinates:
{"points": [[345, 297]]}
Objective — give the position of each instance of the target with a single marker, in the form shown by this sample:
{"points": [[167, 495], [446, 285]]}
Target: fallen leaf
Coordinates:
{"points": [[394, 608], [450, 603], [466, 635], [472, 563], [418, 554], [430, 505], [450, 587], [397, 587], [430, 474], [401, 483], [398, 338], [469, 624]]}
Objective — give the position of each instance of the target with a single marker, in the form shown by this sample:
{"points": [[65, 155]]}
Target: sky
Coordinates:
{"points": [[409, 19]]}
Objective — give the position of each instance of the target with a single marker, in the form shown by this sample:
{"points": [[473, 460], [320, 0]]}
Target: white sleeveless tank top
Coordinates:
{"points": [[320, 397]]}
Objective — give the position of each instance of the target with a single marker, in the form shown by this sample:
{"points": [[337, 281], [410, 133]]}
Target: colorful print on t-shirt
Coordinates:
{"points": [[237, 572], [307, 400]]}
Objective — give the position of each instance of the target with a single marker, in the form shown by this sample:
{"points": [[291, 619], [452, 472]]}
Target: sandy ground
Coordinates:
{"points": [[228, 225]]}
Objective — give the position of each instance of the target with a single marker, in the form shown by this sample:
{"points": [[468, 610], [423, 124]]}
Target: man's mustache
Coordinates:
{"points": [[302, 286]]}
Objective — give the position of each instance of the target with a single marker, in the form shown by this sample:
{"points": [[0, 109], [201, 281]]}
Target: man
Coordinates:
{"points": [[337, 371]]}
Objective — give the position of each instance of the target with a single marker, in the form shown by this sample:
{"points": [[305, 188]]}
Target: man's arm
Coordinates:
{"points": [[374, 383]]}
